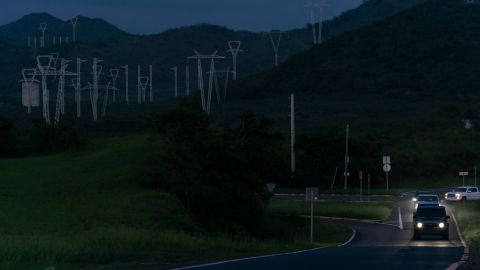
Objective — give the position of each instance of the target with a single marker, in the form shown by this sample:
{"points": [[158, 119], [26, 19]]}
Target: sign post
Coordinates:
{"points": [[368, 188], [271, 187], [463, 174], [360, 177], [475, 175], [387, 167], [311, 195]]}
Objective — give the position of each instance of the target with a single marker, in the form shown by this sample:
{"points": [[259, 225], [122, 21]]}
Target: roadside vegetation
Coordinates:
{"points": [[468, 214], [186, 192], [372, 210]]}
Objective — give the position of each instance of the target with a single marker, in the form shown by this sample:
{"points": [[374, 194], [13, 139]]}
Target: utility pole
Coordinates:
{"points": [[175, 72], [347, 158], [234, 49], [292, 133]]}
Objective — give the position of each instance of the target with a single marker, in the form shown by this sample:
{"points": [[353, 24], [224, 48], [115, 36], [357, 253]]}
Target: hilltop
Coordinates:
{"points": [[90, 30], [407, 83]]}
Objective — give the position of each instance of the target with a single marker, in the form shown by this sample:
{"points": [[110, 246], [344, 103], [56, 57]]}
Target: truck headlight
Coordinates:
{"points": [[414, 199], [419, 225], [458, 196], [441, 225]]}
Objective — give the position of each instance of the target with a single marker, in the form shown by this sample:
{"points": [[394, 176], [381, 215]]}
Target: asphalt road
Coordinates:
{"points": [[374, 246]]}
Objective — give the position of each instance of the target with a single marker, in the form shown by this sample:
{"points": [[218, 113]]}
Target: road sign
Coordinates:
{"points": [[387, 168], [463, 173], [271, 187], [311, 193], [386, 160]]}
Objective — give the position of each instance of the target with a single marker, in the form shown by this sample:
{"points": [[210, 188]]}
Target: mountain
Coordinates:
{"points": [[97, 38], [370, 11], [408, 82], [90, 30]]}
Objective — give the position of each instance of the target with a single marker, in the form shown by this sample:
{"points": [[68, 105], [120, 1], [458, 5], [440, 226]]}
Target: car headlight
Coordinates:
{"points": [[414, 199], [441, 225], [419, 225]]}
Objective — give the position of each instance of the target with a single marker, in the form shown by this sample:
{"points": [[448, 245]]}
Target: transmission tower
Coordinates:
{"points": [[322, 6], [206, 100], [105, 100], [94, 87], [144, 82], [77, 85], [30, 89], [226, 74], [175, 72], [276, 38], [114, 75], [311, 7], [74, 23], [234, 49], [187, 80], [60, 106], [45, 67], [126, 83], [151, 82], [43, 28]]}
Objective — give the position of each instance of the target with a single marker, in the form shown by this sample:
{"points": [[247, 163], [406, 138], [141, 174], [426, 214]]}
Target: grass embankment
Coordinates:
{"points": [[372, 210], [468, 215], [405, 186], [82, 209]]}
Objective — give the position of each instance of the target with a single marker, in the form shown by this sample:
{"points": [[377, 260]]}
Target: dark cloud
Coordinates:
{"points": [[152, 16]]}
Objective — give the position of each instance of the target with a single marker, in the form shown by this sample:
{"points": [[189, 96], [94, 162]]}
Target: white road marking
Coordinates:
{"points": [[246, 259], [458, 230], [400, 222], [465, 256], [354, 233]]}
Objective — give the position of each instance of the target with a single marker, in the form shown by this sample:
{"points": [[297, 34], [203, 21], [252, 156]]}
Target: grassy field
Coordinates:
{"points": [[372, 210], [407, 185], [468, 214], [88, 210]]}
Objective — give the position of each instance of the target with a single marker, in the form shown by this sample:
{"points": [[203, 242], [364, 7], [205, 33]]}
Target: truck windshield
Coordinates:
{"points": [[431, 212], [428, 198], [460, 190]]}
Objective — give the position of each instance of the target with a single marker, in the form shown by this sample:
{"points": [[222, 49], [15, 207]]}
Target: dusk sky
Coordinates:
{"points": [[153, 16]]}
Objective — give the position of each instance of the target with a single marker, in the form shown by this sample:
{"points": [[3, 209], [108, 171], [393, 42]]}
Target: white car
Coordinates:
{"points": [[427, 199], [463, 193]]}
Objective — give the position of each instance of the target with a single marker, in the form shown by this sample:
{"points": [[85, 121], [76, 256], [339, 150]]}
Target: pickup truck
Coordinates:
{"points": [[431, 220]]}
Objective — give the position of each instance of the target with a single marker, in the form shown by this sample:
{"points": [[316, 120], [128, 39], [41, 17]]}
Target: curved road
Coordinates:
{"points": [[380, 246]]}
